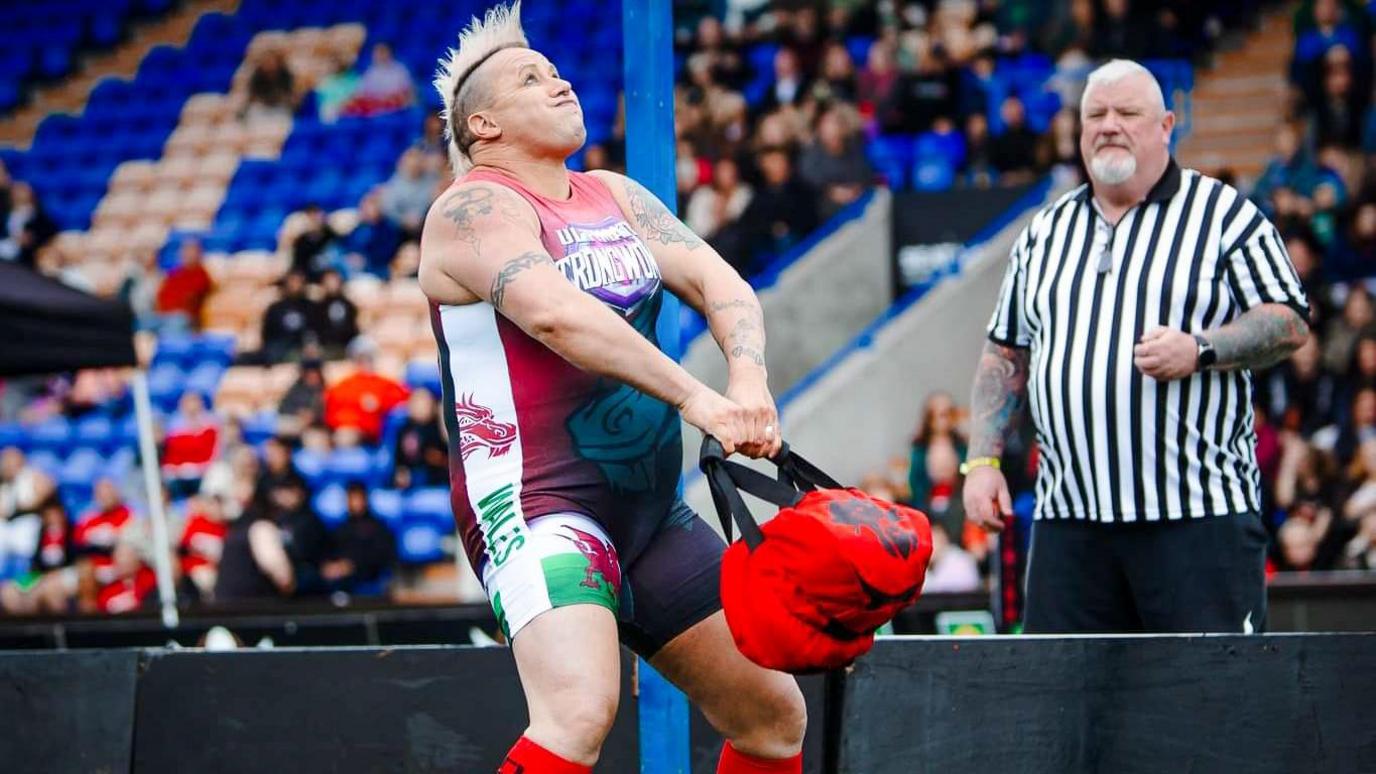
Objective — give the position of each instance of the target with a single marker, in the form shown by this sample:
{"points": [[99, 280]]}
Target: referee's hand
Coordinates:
{"points": [[1166, 354], [986, 497]]}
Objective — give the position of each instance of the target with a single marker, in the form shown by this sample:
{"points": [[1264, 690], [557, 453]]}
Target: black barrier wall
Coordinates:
{"points": [[1285, 704], [346, 710], [1276, 703], [63, 712]]}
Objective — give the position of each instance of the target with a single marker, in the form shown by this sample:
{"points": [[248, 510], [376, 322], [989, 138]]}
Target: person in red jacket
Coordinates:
{"points": [[356, 406], [185, 288], [132, 581], [202, 542], [189, 446], [99, 530]]}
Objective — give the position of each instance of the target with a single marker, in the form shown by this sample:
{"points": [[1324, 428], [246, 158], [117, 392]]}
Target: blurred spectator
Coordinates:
{"points": [[337, 317], [1072, 27], [1359, 427], [303, 404], [271, 88], [1329, 27], [362, 549], [951, 569], [183, 292], [784, 209], [877, 88], [309, 250], [335, 90], [1300, 395], [714, 207], [422, 457], [99, 531], [288, 320], [790, 84], [834, 163], [356, 406], [431, 142], [1306, 530], [202, 544], [1118, 33], [23, 488], [1341, 106], [41, 589], [303, 535], [254, 563], [131, 582], [1340, 337], [934, 464], [406, 263], [1014, 152], [1291, 167], [277, 470], [407, 194], [373, 242], [139, 286], [1059, 149], [929, 92], [979, 153], [837, 81], [385, 86], [189, 446], [1354, 257], [27, 227]]}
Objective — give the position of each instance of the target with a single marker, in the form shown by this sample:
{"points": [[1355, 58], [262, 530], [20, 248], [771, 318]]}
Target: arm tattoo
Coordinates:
{"points": [[744, 340], [466, 206], [655, 220], [511, 271], [1261, 337], [997, 399], [463, 208]]}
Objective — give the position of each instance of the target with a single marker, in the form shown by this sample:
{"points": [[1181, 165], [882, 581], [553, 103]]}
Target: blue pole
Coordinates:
{"points": [[648, 65]]}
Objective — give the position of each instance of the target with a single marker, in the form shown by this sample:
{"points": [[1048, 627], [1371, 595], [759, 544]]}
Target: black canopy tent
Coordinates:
{"points": [[48, 327]]}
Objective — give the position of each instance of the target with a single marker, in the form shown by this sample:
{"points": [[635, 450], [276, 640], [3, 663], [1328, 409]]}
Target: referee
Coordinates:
{"points": [[1131, 313]]}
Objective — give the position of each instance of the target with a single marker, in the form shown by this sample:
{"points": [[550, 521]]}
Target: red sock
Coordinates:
{"points": [[527, 757], [734, 761]]}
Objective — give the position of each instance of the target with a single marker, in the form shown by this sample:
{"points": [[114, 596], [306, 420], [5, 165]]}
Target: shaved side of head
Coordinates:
{"points": [[458, 79]]}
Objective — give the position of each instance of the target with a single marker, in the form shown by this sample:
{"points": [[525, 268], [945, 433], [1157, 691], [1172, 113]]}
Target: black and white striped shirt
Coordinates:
{"points": [[1116, 445]]}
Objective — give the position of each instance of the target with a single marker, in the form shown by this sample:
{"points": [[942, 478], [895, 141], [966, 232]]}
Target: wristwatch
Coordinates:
{"points": [[1207, 354]]}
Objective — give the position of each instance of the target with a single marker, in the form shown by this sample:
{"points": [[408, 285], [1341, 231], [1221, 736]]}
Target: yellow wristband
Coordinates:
{"points": [[980, 462]]}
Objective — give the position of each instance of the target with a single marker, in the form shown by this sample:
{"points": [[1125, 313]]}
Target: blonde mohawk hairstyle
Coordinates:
{"points": [[499, 28]]}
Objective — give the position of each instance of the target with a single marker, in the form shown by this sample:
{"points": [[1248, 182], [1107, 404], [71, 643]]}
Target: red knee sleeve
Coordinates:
{"points": [[527, 757], [734, 761]]}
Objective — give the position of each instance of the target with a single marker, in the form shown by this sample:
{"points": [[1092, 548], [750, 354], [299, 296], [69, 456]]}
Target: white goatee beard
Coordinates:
{"points": [[1112, 171]]}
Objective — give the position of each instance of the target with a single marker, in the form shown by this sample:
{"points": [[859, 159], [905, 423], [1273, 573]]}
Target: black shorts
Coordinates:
{"points": [[1193, 575], [673, 584]]}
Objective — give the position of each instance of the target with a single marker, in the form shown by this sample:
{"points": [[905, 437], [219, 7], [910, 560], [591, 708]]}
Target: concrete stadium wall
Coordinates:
{"points": [[863, 409], [815, 306]]}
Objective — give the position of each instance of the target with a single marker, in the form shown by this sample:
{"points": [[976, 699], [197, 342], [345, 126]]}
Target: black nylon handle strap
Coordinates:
{"points": [[796, 470], [729, 503]]}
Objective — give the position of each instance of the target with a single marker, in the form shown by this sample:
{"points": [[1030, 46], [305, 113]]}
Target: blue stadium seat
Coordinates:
{"points": [[205, 379], [97, 432], [175, 349], [311, 466], [347, 465], [52, 435], [429, 503], [259, 427], [331, 505], [419, 542], [214, 348], [77, 477], [892, 155], [13, 434], [46, 461], [386, 504], [934, 173], [424, 373], [165, 385]]}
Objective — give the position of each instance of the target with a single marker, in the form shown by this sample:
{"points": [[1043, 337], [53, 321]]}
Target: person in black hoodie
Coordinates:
{"points": [[362, 548], [336, 316], [288, 322], [422, 456], [784, 209], [303, 535]]}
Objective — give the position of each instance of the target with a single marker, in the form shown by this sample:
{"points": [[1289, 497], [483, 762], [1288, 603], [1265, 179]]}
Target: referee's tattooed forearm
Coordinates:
{"points": [[997, 399], [1260, 337]]}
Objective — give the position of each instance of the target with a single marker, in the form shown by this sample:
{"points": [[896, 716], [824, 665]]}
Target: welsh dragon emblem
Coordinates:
{"points": [[478, 429]]}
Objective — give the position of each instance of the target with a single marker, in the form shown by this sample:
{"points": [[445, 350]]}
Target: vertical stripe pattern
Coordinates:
{"points": [[1079, 293]]}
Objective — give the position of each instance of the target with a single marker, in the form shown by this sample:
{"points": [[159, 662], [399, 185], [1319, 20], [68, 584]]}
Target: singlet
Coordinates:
{"points": [[531, 434]]}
